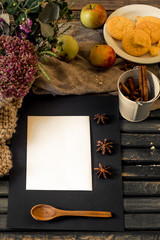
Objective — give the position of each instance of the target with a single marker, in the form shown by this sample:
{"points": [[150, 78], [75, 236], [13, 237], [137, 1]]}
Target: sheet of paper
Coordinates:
{"points": [[58, 153]]}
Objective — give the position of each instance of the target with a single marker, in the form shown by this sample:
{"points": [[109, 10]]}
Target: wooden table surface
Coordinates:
{"points": [[140, 144]]}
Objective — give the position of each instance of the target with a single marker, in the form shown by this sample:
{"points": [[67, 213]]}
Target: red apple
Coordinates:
{"points": [[67, 48], [102, 56], [93, 15]]}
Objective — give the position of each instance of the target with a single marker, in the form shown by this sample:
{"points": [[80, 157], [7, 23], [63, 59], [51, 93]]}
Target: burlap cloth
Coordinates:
{"points": [[78, 76], [8, 120]]}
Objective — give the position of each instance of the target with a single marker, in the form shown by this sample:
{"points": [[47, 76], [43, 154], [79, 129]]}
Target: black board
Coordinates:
{"points": [[107, 194]]}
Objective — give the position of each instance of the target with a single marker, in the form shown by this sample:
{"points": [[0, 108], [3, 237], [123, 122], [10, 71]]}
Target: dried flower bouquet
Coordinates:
{"points": [[28, 31]]}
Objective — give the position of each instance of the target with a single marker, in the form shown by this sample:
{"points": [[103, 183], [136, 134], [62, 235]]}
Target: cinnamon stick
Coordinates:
{"points": [[145, 83], [131, 84], [138, 99], [140, 81], [125, 89]]}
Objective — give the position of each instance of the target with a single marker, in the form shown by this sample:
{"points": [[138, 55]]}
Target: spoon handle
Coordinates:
{"points": [[85, 213]]}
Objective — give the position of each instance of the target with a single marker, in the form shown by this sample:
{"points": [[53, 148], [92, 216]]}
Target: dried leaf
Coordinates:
{"points": [[5, 17], [46, 29], [49, 13]]}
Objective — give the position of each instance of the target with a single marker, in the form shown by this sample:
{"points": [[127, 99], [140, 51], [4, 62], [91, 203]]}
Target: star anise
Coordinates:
{"points": [[101, 118], [102, 171], [103, 146], [127, 65]]}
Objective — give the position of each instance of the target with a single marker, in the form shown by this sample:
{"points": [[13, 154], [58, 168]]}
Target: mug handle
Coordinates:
{"points": [[136, 109]]}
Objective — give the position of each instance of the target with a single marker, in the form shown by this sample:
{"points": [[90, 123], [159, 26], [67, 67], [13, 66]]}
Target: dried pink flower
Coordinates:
{"points": [[25, 28], [18, 65]]}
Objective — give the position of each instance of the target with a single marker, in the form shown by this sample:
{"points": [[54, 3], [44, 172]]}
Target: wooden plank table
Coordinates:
{"points": [[141, 187], [140, 172]]}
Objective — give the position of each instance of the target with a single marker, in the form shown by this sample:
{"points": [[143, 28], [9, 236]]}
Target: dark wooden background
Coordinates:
{"points": [[112, 4], [140, 172]]}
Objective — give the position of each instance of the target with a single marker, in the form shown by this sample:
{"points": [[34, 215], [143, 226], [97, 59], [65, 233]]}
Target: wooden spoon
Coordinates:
{"points": [[43, 212]]}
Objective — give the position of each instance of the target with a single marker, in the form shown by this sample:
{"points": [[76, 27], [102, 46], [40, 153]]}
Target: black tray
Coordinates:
{"points": [[106, 194]]}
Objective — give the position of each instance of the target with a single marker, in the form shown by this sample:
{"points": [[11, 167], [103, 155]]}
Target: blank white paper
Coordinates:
{"points": [[58, 153]]}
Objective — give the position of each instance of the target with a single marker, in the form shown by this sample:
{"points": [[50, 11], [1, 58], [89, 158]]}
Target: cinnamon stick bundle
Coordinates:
{"points": [[133, 92], [130, 91]]}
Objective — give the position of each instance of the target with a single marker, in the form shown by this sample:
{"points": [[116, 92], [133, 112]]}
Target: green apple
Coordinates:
{"points": [[67, 48], [93, 15], [102, 56]]}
